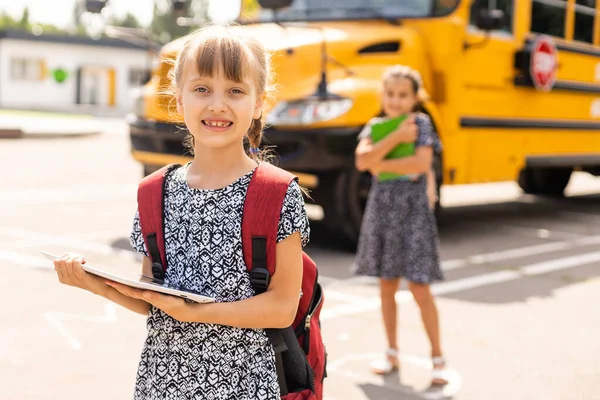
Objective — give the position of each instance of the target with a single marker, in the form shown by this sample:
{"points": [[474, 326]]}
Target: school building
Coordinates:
{"points": [[70, 73]]}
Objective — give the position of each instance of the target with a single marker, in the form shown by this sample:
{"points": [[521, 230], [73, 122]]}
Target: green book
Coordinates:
{"points": [[381, 130]]}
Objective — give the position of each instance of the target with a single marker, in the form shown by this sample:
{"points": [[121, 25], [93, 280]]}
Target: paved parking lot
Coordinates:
{"points": [[518, 308]]}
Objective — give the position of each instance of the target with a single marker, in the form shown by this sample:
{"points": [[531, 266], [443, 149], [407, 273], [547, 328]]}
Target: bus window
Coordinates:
{"points": [[504, 5], [548, 17], [443, 7], [584, 20]]}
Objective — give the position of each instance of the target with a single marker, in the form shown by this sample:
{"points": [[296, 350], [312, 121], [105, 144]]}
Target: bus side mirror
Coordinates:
{"points": [[490, 20], [275, 4]]}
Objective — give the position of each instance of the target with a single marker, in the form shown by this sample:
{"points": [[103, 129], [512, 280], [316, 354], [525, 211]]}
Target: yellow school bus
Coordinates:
{"points": [[513, 91]]}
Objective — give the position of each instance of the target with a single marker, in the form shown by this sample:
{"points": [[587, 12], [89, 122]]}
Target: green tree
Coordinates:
{"points": [[6, 21], [51, 29], [77, 26], [128, 21], [165, 25], [24, 22]]}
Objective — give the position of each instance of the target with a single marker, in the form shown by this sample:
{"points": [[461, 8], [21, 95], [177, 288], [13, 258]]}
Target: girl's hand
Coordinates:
{"points": [[176, 307], [407, 131], [69, 271], [375, 169]]}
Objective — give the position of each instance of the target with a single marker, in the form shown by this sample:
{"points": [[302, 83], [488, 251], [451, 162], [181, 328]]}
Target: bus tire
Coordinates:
{"points": [[545, 181], [352, 193], [337, 196]]}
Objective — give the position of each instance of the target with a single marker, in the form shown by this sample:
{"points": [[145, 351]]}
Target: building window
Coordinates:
{"points": [[505, 6], [27, 69], [548, 17], [138, 76], [585, 10]]}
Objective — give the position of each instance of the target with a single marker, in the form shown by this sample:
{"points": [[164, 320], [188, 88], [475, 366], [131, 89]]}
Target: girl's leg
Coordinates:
{"points": [[429, 315], [389, 311]]}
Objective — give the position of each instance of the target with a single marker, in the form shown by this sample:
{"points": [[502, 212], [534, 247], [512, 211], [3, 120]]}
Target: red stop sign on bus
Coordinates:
{"points": [[543, 63]]}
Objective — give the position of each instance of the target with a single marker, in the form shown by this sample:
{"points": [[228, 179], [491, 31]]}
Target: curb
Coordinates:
{"points": [[17, 133], [11, 133], [56, 135]]}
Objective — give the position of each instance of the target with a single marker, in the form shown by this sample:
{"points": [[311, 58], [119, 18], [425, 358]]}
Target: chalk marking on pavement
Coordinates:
{"points": [[69, 195], [449, 390], [520, 252], [484, 258], [69, 243], [561, 263], [368, 304], [25, 260], [447, 265], [542, 233], [28, 242], [57, 319]]}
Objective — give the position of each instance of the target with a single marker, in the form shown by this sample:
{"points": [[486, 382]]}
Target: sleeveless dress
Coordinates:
{"points": [[399, 237], [182, 360]]}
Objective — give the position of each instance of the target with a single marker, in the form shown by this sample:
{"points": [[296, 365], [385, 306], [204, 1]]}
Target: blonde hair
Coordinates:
{"points": [[214, 46], [405, 72]]}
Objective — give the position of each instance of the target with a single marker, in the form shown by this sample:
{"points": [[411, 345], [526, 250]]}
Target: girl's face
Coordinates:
{"points": [[217, 111], [399, 97]]}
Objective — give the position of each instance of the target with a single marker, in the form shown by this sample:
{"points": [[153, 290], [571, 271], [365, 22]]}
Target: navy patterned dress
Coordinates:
{"points": [[398, 237], [182, 360]]}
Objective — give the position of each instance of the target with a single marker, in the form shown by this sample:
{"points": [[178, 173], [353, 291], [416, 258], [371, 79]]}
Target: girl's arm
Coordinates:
{"points": [[135, 305], [368, 153], [420, 163], [276, 308]]}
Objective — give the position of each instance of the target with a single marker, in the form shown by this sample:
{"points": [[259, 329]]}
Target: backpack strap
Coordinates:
{"points": [[151, 201], [260, 222]]}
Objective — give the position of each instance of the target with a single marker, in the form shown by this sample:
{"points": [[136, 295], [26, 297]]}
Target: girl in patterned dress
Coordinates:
{"points": [[218, 350], [399, 237]]}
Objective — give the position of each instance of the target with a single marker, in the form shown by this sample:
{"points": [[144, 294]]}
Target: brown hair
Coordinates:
{"points": [[404, 71], [214, 46]]}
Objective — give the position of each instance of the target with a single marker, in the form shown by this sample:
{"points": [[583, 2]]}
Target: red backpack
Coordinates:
{"points": [[299, 350]]}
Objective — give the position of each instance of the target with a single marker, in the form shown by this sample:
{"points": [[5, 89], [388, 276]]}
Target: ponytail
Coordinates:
{"points": [[255, 134]]}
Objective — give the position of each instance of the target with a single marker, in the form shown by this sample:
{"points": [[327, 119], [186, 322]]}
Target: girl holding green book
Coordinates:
{"points": [[399, 237]]}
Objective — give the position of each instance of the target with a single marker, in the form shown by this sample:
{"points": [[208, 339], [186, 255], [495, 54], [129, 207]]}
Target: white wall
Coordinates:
{"points": [[48, 94]]}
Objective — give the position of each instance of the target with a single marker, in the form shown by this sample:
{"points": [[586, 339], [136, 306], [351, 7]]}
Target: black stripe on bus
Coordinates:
{"points": [[572, 48], [583, 87], [582, 160], [526, 123], [577, 50]]}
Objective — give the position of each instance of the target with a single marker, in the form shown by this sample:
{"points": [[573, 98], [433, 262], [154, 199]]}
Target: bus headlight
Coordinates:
{"points": [[308, 111]]}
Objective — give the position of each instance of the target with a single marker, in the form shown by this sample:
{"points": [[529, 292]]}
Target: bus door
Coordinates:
{"points": [[488, 93]]}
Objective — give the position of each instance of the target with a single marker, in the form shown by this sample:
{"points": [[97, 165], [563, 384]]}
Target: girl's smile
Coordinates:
{"points": [[217, 125]]}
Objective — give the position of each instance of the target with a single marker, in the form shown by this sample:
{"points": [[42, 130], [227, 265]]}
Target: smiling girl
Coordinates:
{"points": [[218, 350]]}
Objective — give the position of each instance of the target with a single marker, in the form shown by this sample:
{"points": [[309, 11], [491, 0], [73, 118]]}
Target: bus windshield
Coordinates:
{"points": [[319, 10]]}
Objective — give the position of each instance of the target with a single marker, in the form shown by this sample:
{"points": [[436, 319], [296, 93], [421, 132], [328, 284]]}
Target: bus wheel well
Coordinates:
{"points": [[550, 181]]}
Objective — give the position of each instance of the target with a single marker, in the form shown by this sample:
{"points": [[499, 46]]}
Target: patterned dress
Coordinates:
{"points": [[203, 243], [398, 237]]}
